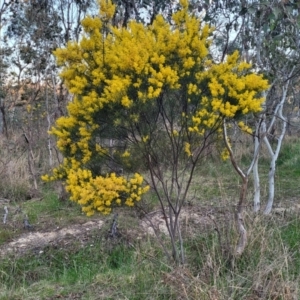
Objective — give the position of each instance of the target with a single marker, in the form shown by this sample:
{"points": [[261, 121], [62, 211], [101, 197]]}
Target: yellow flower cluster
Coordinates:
{"points": [[233, 91], [187, 149], [244, 127], [103, 193], [119, 74], [225, 154], [99, 193]]}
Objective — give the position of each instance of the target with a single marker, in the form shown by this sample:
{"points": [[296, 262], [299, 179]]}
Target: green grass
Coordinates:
{"points": [[137, 269], [45, 214], [118, 270], [291, 238], [289, 154], [50, 207]]}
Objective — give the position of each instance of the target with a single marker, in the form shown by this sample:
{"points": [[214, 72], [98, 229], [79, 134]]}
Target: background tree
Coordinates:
{"points": [[35, 95], [277, 55], [4, 54], [267, 34]]}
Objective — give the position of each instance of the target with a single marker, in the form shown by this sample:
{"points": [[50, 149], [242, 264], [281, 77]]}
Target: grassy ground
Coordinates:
{"points": [[130, 268], [133, 266]]}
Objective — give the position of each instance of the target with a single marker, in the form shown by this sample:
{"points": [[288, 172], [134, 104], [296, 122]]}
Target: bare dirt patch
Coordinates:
{"points": [[191, 217], [37, 240]]}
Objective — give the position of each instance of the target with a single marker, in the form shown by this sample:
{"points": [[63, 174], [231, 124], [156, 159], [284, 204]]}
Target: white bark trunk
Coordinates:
{"points": [[256, 181], [274, 154], [242, 242], [260, 132], [256, 204], [49, 127], [271, 186]]}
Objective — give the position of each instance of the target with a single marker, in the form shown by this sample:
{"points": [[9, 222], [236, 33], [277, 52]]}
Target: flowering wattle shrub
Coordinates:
{"points": [[124, 81]]}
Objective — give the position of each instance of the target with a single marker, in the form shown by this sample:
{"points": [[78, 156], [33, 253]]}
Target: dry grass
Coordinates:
{"points": [[15, 178], [262, 272]]}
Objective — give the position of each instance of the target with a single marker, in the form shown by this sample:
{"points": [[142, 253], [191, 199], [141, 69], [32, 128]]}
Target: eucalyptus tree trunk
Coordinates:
{"points": [[256, 181], [278, 114], [3, 124]]}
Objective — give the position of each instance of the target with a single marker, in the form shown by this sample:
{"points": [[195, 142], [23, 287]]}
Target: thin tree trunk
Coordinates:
{"points": [[5, 130], [274, 154], [272, 170], [271, 186], [31, 162], [242, 242], [49, 127], [256, 181]]}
